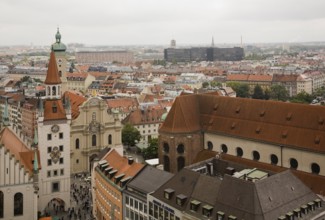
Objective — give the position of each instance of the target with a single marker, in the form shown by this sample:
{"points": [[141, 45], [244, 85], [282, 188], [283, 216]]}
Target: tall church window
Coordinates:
{"points": [[18, 204], [256, 155], [93, 140], [48, 91], [53, 90], [180, 163], [1, 204], [315, 168], [166, 163], [224, 148], [293, 163], [180, 148], [109, 139], [77, 143]]}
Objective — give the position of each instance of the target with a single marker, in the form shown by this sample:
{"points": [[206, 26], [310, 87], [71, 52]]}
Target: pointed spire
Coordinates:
{"points": [[35, 164], [212, 43], [5, 116], [52, 76]]}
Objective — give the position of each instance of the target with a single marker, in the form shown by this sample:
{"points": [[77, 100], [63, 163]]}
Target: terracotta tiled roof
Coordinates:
{"points": [[184, 116], [76, 76], [285, 78], [280, 123], [121, 164], [52, 76], [18, 149], [48, 110], [260, 78], [75, 100], [122, 103], [237, 77], [148, 116]]}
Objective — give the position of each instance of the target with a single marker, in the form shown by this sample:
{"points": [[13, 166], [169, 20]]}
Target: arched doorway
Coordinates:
{"points": [[54, 207]]}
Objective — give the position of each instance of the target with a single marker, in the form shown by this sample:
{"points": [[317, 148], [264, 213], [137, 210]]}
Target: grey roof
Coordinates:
{"points": [[149, 179], [182, 183]]}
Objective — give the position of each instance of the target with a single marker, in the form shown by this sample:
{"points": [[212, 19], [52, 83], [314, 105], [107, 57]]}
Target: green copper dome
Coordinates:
{"points": [[58, 46], [164, 116]]}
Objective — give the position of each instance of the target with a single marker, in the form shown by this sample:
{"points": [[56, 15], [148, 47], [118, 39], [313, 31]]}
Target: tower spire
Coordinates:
{"points": [[212, 43]]}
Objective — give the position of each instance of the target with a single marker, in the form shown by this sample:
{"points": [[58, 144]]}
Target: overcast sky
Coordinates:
{"points": [[129, 22]]}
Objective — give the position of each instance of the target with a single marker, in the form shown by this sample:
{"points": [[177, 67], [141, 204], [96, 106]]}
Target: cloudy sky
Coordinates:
{"points": [[129, 22]]}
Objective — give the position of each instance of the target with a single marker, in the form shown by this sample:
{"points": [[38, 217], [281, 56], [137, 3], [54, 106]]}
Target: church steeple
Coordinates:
{"points": [[53, 81], [58, 36]]}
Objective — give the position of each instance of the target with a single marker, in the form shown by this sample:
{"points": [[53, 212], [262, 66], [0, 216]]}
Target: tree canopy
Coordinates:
{"points": [[152, 150], [241, 89], [279, 92], [130, 135], [258, 93]]}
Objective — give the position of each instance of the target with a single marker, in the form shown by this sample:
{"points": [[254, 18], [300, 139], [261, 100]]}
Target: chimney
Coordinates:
{"points": [[210, 168], [130, 160]]}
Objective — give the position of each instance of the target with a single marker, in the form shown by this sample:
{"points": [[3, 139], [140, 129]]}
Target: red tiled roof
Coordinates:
{"points": [[75, 100], [52, 76], [48, 110], [148, 116], [121, 164], [280, 123], [18, 149]]}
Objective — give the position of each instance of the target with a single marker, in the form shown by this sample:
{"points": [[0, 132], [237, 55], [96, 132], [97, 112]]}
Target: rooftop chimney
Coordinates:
{"points": [[130, 160]]}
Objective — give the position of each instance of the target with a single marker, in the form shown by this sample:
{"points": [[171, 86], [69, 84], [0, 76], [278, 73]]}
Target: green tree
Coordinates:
{"points": [[205, 84], [302, 97], [241, 89], [279, 92], [258, 92], [130, 135], [215, 84], [152, 150]]}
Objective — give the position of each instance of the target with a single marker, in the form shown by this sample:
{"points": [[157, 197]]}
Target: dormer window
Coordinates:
{"points": [[54, 108], [207, 210], [194, 206], [168, 193], [180, 199], [220, 215]]}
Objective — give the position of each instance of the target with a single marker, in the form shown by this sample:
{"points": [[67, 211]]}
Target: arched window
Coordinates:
{"points": [[293, 163], [274, 159], [224, 148], [93, 140], [48, 91], [77, 143], [315, 168], [53, 90], [239, 152], [1, 204], [166, 148], [166, 163], [109, 139], [180, 163], [256, 155], [18, 204], [210, 145], [180, 148]]}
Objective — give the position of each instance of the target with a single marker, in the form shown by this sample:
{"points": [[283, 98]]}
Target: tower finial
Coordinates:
{"points": [[58, 36]]}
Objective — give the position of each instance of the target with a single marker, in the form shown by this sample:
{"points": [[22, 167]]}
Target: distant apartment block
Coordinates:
{"points": [[99, 57], [203, 54]]}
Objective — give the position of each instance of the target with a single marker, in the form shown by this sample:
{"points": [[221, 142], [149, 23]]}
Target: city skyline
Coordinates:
{"points": [[148, 22]]}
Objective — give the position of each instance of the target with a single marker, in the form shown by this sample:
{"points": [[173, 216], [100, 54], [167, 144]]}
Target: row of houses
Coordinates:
{"points": [[211, 189]]}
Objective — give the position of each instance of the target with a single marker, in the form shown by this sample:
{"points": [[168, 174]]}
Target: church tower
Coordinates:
{"points": [[54, 118], [59, 50]]}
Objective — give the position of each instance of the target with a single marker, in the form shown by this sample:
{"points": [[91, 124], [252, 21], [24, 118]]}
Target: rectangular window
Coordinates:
{"points": [[48, 173], [131, 202], [55, 173], [127, 200], [49, 149], [62, 172], [61, 147], [61, 135], [49, 137], [55, 187], [77, 160], [61, 160], [136, 204], [49, 162]]}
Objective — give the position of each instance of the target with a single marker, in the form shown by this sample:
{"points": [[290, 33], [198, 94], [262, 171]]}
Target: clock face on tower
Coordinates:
{"points": [[55, 128]]}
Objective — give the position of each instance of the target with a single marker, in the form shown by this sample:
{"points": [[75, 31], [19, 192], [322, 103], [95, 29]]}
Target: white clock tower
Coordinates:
{"points": [[54, 118]]}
